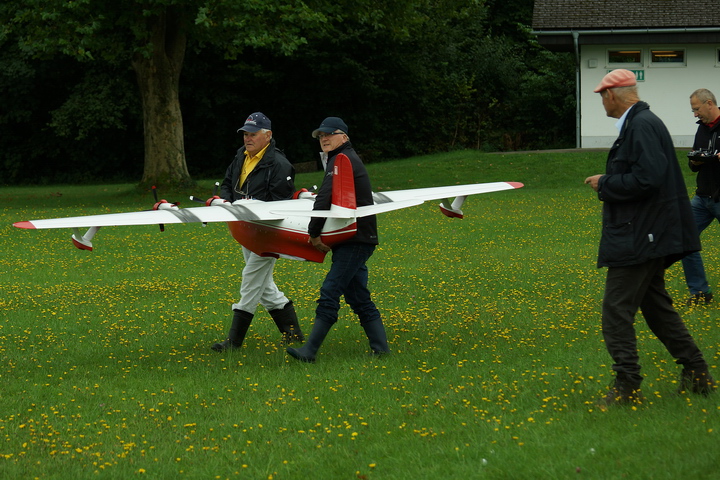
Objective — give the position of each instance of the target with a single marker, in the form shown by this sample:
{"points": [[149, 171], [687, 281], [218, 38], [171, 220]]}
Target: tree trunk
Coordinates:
{"points": [[158, 76]]}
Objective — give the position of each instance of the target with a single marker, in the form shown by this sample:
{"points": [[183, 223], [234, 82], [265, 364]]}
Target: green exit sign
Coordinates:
{"points": [[639, 74]]}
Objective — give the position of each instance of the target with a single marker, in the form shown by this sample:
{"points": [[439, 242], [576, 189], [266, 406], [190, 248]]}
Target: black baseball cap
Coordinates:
{"points": [[329, 125]]}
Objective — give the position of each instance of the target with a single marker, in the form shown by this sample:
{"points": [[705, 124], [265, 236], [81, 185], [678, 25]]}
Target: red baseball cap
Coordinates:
{"points": [[617, 78]]}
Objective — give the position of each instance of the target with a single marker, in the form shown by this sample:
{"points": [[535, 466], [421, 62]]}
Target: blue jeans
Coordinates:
{"points": [[348, 276], [705, 210]]}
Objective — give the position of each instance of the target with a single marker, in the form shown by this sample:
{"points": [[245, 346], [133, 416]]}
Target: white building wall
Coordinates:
{"points": [[666, 88]]}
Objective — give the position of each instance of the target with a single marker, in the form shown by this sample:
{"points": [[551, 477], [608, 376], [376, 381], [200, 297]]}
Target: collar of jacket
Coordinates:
{"points": [[268, 157], [637, 107], [713, 128], [333, 153]]}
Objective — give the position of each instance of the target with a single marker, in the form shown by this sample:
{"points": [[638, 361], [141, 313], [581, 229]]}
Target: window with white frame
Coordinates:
{"points": [[667, 57], [625, 57]]}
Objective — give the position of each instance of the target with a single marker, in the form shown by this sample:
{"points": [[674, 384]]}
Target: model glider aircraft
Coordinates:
{"points": [[279, 228]]}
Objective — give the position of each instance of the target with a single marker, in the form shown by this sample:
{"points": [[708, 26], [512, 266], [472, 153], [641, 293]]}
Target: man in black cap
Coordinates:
{"points": [[262, 172], [348, 275]]}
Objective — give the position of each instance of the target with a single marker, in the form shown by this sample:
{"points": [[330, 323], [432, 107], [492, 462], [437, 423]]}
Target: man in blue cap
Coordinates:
{"points": [[259, 171], [348, 275]]}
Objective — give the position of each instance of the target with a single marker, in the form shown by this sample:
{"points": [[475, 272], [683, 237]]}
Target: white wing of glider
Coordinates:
{"points": [[256, 210], [272, 228], [397, 199], [385, 200], [243, 210], [339, 212], [438, 193]]}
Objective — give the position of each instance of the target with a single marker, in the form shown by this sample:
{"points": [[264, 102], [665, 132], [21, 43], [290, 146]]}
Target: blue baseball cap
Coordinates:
{"points": [[256, 122], [329, 125]]}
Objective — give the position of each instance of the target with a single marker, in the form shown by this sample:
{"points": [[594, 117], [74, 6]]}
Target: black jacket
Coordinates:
{"points": [[646, 210], [273, 178], [366, 226], [708, 173]]}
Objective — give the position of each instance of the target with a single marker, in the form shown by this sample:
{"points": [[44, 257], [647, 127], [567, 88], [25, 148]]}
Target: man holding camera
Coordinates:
{"points": [[705, 204]]}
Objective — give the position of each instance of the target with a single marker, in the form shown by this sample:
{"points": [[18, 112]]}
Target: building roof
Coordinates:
{"points": [[624, 14]]}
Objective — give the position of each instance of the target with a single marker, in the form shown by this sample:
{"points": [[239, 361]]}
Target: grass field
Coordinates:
{"points": [[494, 322]]}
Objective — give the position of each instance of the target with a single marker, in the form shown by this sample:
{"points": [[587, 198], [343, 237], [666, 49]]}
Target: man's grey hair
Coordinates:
{"points": [[703, 95], [262, 130], [625, 94]]}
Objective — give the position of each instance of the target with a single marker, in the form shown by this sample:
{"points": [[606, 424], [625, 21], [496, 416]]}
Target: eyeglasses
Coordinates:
{"points": [[696, 109], [323, 134]]}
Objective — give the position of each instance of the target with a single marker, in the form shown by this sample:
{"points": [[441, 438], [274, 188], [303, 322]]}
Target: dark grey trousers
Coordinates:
{"points": [[628, 289]]}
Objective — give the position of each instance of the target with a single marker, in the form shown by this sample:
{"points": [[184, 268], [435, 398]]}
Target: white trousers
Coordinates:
{"points": [[258, 285]]}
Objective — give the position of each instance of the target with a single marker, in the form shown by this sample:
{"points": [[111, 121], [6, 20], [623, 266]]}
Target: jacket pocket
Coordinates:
{"points": [[620, 164], [616, 244]]}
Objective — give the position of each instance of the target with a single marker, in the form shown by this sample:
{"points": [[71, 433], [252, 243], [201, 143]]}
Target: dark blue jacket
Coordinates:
{"points": [[646, 209], [366, 226], [708, 173]]}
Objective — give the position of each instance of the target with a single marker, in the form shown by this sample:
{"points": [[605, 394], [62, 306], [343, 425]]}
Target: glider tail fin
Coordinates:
{"points": [[343, 192], [83, 242], [342, 225], [452, 210]]}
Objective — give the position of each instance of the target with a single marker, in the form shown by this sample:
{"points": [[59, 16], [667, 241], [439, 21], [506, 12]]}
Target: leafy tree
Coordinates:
{"points": [[152, 37], [410, 76], [53, 131]]}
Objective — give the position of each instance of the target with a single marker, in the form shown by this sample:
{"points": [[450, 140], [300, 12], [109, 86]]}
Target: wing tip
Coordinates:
{"points": [[28, 225], [515, 184]]}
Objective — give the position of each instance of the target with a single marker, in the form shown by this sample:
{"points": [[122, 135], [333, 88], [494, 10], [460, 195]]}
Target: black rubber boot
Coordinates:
{"points": [[287, 322], [697, 380], [240, 324], [623, 391], [307, 352], [375, 332]]}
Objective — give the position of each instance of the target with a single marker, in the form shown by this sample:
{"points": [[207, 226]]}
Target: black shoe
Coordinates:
{"points": [[375, 354], [702, 298], [225, 345], [621, 393], [377, 337], [617, 397], [307, 352], [697, 381], [287, 322], [240, 325], [301, 354], [289, 340]]}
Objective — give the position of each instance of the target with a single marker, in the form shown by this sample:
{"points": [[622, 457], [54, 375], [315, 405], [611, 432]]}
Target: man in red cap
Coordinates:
{"points": [[647, 226]]}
